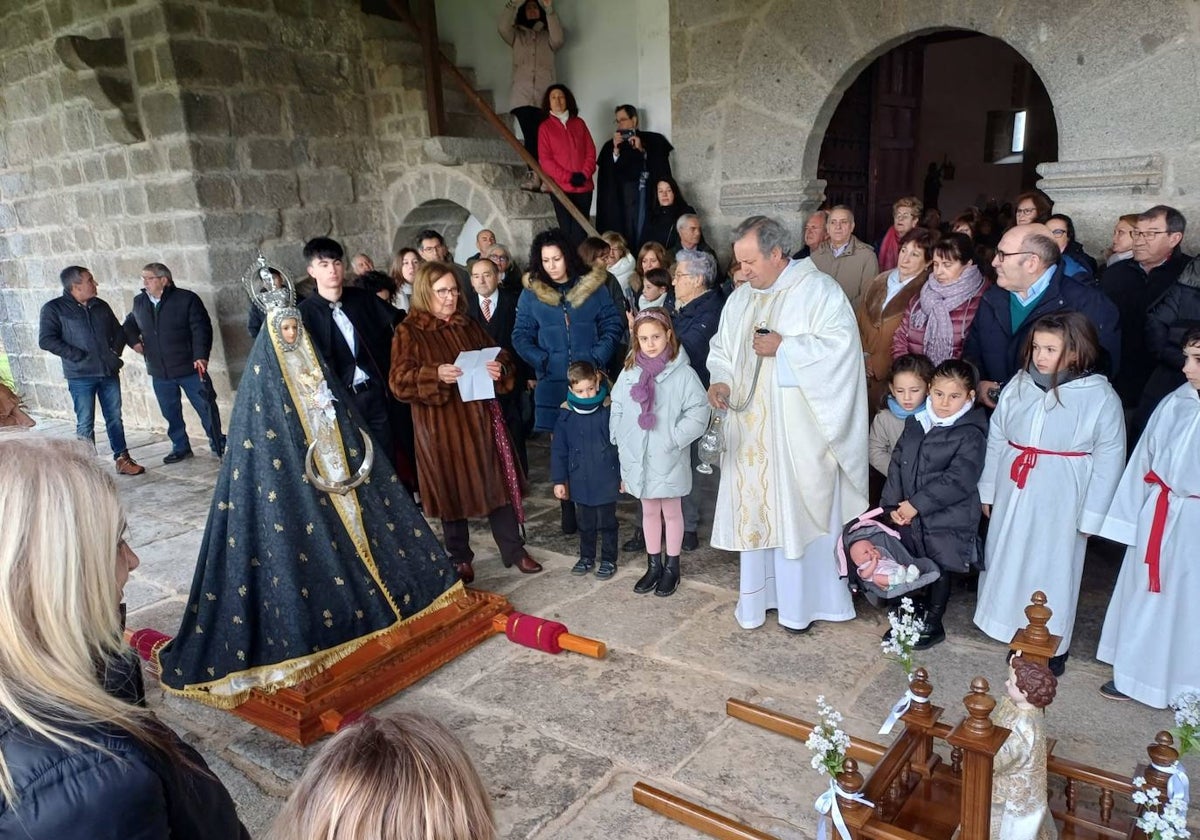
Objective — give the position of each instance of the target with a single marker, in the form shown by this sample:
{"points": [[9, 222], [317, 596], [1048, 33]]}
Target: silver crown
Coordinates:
{"points": [[267, 286]]}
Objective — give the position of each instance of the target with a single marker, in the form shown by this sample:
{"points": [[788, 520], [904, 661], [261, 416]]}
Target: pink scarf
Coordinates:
{"points": [[643, 392], [934, 307]]}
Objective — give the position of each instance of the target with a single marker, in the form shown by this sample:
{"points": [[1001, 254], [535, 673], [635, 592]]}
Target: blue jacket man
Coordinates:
{"points": [[82, 330], [1031, 282]]}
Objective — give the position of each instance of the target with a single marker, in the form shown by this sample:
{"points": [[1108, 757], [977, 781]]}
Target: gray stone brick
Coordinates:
{"points": [[266, 154], [257, 112], [93, 169], [132, 235], [36, 212], [214, 153], [237, 26], [315, 116], [322, 72], [142, 25], [303, 223], [163, 198], [145, 70], [268, 192], [162, 114], [87, 205], [111, 199], [205, 114], [181, 18], [326, 187], [215, 192], [220, 227], [203, 63], [115, 165], [159, 232], [272, 68], [357, 218], [135, 200], [190, 231]]}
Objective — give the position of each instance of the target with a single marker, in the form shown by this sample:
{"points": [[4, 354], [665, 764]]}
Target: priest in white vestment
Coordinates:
{"points": [[794, 469]]}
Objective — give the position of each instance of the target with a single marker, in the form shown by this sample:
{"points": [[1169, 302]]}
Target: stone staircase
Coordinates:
{"points": [[438, 181]]}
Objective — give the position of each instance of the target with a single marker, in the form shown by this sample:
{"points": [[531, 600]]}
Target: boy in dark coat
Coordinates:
{"points": [[933, 484], [585, 468]]}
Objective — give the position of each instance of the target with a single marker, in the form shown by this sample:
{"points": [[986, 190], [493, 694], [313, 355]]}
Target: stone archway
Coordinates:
{"points": [[754, 85], [443, 197]]}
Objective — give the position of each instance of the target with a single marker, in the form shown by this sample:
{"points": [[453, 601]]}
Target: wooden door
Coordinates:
{"points": [[895, 109]]}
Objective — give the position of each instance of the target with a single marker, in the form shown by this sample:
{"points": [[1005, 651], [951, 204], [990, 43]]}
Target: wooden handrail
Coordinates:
{"points": [[489, 115]]}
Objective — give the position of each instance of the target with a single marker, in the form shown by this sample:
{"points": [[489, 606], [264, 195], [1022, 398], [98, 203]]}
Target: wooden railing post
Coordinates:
{"points": [[1034, 640], [920, 719], [980, 740], [489, 115], [425, 15]]}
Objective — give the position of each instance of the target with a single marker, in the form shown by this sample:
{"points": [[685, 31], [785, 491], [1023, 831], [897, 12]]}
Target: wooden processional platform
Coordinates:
{"points": [[310, 710]]}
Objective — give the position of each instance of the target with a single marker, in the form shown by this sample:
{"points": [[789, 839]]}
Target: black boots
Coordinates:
{"points": [[938, 598], [637, 542], [654, 570], [668, 581]]}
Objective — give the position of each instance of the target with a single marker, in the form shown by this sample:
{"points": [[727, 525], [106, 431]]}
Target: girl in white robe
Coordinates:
{"points": [[1056, 448], [1151, 633]]}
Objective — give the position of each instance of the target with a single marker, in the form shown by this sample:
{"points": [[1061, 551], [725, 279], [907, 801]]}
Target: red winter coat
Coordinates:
{"points": [[567, 148]]}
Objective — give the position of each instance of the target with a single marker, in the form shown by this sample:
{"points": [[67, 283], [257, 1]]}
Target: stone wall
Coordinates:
{"points": [[755, 82], [194, 134]]}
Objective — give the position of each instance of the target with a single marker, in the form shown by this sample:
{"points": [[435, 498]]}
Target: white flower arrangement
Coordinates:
{"points": [[1160, 822], [906, 630], [828, 743], [1187, 722]]}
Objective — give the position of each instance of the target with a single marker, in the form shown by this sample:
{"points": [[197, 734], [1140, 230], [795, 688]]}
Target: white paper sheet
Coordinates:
{"points": [[475, 384]]}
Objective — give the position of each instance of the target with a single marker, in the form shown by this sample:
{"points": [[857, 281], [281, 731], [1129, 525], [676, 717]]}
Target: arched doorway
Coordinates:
{"points": [[955, 117]]}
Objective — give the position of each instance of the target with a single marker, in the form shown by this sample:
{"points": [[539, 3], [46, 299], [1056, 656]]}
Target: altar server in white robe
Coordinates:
{"points": [[795, 465], [1151, 633], [1056, 449]]}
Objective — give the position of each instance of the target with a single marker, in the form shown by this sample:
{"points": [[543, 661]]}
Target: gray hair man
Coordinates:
{"points": [[786, 366], [845, 257], [814, 234], [697, 314], [82, 330]]}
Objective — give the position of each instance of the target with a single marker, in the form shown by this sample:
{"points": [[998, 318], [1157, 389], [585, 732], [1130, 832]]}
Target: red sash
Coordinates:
{"points": [[1027, 460], [1157, 527]]}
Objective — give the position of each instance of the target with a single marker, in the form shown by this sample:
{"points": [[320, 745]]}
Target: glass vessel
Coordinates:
{"points": [[712, 444]]}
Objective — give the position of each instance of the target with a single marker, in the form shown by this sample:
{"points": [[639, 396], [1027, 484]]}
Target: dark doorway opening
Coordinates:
{"points": [[955, 118]]}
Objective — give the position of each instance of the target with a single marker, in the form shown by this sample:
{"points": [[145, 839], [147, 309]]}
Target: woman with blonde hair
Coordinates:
{"points": [[433, 792], [77, 752]]}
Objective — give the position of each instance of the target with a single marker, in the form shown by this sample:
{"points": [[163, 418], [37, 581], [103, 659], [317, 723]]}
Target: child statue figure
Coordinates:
{"points": [[1019, 807]]}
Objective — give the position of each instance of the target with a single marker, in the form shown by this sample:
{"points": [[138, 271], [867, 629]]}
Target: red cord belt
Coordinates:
{"points": [[1158, 526], [1027, 460]]}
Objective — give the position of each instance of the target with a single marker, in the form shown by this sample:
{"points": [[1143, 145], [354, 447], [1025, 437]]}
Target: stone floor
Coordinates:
{"points": [[560, 740]]}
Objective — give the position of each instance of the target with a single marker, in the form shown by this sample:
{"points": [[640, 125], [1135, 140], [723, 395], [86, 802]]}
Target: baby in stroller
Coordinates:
{"points": [[873, 557]]}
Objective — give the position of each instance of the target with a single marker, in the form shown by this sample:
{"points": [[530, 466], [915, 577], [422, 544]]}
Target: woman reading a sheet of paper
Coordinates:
{"points": [[465, 460]]}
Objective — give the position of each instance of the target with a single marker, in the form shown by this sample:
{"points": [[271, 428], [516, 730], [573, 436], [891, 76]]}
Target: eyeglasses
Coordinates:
{"points": [[900, 216], [1003, 255], [1058, 231], [500, 259], [1026, 211], [446, 292], [1146, 234]]}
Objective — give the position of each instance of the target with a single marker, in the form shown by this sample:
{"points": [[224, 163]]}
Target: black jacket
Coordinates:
{"points": [[938, 472], [1134, 291], [173, 337], [1169, 319], [695, 325], [995, 348], [374, 323], [87, 337], [116, 790]]}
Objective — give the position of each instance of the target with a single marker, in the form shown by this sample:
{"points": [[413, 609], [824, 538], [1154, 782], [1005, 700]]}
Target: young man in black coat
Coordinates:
{"points": [[495, 309], [170, 327], [352, 330]]}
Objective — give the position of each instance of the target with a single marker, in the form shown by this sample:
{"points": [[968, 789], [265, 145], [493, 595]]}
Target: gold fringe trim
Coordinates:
{"points": [[302, 668]]}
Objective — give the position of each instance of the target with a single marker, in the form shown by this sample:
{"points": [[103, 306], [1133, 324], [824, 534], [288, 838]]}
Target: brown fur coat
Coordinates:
{"points": [[458, 467]]}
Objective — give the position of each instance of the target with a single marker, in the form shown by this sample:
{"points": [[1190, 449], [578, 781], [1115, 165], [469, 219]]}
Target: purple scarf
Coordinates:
{"points": [[933, 310], [643, 392]]}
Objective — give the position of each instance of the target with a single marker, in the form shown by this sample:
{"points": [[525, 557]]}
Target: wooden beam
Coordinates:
{"points": [[492, 118], [431, 55], [694, 816], [794, 727]]}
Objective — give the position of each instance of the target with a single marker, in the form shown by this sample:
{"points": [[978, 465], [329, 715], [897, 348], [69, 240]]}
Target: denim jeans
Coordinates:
{"points": [[84, 391], [166, 391]]}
